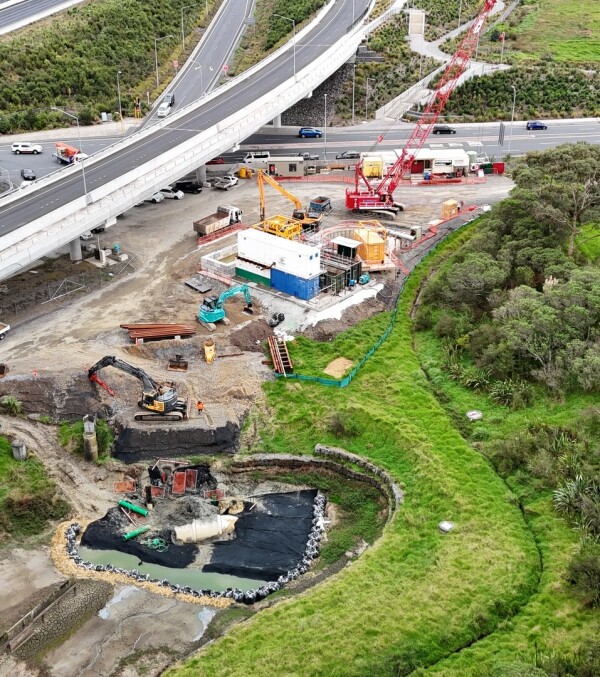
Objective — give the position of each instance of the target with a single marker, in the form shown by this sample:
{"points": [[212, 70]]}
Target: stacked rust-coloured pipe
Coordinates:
{"points": [[141, 332]]}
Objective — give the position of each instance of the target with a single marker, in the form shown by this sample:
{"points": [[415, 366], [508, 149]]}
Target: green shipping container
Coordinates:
{"points": [[252, 277]]}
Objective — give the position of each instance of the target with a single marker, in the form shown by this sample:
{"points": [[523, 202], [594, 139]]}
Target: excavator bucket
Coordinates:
{"points": [[248, 309], [177, 364]]}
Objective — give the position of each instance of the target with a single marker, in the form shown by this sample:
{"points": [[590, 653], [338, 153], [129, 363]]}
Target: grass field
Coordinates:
{"points": [[588, 242], [417, 596], [569, 30]]}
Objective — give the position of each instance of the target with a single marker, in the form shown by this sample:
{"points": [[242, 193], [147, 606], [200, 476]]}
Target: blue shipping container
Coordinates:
{"points": [[293, 285]]}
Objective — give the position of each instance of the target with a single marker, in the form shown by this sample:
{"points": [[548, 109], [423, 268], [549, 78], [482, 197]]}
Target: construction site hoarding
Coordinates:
{"points": [[293, 285], [287, 256]]}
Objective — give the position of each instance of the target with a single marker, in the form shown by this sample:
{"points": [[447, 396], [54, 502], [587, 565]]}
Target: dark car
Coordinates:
{"points": [[443, 129], [28, 175], [308, 132], [188, 187], [216, 161], [169, 98], [536, 124], [348, 155]]}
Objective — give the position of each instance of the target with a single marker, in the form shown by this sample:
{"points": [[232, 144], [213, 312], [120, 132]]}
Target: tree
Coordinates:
{"points": [[565, 184], [471, 281]]}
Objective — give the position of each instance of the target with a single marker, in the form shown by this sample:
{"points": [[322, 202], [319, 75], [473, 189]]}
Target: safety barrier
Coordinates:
{"points": [[342, 383]]}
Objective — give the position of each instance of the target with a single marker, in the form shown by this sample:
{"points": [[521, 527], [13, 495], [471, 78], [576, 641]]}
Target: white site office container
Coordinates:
{"points": [[287, 255]]}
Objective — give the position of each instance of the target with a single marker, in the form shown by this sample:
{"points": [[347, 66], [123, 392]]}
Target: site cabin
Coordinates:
{"points": [[65, 153], [287, 166], [436, 161]]}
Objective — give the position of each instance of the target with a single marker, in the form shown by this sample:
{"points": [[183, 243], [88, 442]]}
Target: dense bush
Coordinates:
{"points": [[515, 300], [72, 62], [543, 90]]}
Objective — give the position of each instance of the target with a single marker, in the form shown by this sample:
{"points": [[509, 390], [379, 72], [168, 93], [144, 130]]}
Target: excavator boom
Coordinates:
{"points": [[159, 399], [261, 178]]}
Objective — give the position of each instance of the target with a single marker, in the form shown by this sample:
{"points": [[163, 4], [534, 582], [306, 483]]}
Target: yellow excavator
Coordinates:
{"points": [[160, 400], [308, 220]]}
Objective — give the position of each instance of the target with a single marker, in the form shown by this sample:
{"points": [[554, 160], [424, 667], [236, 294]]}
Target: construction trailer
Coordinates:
{"points": [[287, 166]]}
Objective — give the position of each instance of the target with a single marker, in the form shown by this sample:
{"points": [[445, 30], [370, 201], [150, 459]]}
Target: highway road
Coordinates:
{"points": [[205, 68], [17, 14], [330, 30], [482, 138]]}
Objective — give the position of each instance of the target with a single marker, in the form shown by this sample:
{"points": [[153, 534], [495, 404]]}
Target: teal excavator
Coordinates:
{"points": [[212, 309]]}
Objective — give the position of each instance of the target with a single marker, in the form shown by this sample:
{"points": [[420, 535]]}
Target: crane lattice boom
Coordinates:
{"points": [[383, 195]]}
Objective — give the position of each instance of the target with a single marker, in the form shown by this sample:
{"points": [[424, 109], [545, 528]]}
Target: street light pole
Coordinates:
{"points": [[353, 89], [70, 115], [367, 99], [196, 4], [512, 118], [325, 132], [156, 41], [119, 95], [287, 18]]}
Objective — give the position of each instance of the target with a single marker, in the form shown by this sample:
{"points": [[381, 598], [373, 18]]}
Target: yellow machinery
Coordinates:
{"points": [[308, 220], [282, 226]]}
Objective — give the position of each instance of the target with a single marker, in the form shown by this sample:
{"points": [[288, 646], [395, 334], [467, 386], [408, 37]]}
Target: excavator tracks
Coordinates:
{"points": [[157, 418]]}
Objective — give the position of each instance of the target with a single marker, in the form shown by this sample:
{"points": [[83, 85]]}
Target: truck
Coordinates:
{"points": [[4, 329], [225, 182], [223, 217], [67, 154], [320, 205]]}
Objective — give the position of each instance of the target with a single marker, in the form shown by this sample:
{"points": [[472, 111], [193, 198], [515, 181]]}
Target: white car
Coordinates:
{"points": [[156, 198], [225, 182], [163, 110], [172, 193], [25, 147]]}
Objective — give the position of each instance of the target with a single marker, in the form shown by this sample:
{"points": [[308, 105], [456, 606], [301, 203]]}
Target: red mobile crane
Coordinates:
{"points": [[381, 197]]}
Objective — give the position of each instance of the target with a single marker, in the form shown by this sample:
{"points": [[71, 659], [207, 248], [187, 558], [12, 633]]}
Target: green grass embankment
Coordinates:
{"points": [[416, 596]]}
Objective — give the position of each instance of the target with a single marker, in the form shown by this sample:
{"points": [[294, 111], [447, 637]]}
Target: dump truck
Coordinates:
{"points": [[320, 205], [223, 217], [67, 154]]}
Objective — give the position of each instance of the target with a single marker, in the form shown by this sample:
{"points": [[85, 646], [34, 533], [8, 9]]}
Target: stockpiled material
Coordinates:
{"points": [[139, 332]]}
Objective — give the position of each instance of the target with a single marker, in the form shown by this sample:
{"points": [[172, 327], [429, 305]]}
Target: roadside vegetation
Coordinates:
{"points": [[442, 17], [70, 436], [28, 499], [71, 61], [511, 590]]}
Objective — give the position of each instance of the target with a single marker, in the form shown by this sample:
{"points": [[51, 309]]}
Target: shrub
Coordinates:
{"points": [[11, 405], [512, 393], [71, 436], [584, 574]]}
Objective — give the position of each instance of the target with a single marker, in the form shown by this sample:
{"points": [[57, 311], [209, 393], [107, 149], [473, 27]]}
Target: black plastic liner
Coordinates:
{"points": [[106, 534], [270, 538], [136, 444]]}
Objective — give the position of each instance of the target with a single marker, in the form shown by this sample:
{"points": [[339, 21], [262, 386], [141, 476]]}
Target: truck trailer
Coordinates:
{"points": [[223, 217]]}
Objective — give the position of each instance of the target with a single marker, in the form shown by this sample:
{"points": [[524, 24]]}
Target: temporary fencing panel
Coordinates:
{"points": [[191, 477], [178, 483]]}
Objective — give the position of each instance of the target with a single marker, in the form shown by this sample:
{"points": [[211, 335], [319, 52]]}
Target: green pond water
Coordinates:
{"points": [[193, 577]]}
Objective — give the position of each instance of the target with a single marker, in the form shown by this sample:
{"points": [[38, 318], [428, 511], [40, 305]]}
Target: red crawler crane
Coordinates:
{"points": [[381, 198]]}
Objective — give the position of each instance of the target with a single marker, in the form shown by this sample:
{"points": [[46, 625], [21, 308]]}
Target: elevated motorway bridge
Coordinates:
{"points": [[38, 220]]}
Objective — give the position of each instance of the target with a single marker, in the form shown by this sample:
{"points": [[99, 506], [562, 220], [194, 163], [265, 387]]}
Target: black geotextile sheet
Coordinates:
{"points": [[106, 534], [270, 539]]}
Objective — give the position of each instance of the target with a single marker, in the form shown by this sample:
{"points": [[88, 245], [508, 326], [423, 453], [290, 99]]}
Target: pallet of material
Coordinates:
{"points": [[140, 332]]}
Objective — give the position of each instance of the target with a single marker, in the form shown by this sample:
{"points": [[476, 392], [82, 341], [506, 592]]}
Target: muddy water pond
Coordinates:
{"points": [[195, 578]]}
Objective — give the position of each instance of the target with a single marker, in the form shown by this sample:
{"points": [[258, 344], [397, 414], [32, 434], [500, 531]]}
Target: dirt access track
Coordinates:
{"points": [[50, 348]]}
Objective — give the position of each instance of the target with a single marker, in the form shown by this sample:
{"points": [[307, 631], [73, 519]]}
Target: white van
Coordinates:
{"points": [[257, 157]]}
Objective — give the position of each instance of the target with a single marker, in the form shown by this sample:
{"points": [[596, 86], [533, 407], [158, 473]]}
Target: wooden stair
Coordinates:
{"points": [[282, 361]]}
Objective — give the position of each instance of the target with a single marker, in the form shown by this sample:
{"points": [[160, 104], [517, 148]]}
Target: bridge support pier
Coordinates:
{"points": [[75, 250], [201, 175], [277, 121]]}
